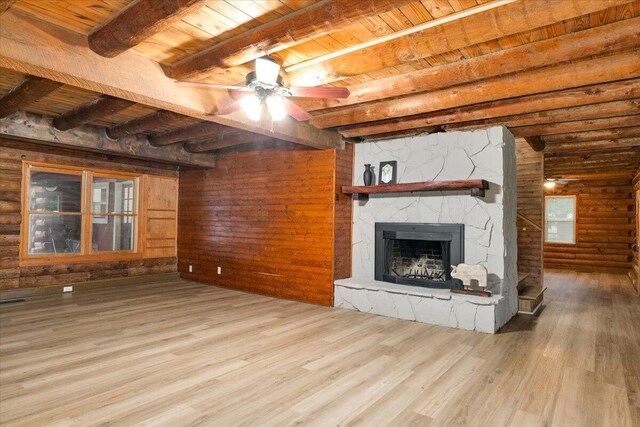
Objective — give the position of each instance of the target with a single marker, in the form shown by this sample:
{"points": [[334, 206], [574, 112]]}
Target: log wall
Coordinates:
{"points": [[530, 220], [605, 227], [266, 219], [12, 275]]}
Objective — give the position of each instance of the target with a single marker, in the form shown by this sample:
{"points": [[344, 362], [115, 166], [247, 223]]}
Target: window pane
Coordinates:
{"points": [[112, 233], [55, 192], [51, 234], [112, 195], [560, 213]]}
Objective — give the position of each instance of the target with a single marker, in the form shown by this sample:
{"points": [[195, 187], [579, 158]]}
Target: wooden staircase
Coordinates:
{"points": [[530, 297]]}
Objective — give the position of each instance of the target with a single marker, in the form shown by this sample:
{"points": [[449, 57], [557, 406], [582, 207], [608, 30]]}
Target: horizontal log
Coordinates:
{"points": [[144, 124], [587, 72], [572, 46], [199, 130], [136, 23], [96, 109], [567, 98], [30, 127], [480, 28], [26, 93], [585, 112], [224, 142], [576, 126], [599, 135], [606, 145], [312, 21]]}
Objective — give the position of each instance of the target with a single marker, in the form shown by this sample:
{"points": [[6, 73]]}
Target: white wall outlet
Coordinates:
{"points": [[67, 289], [219, 270], [190, 268]]}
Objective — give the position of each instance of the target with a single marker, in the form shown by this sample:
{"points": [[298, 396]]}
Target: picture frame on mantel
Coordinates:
{"points": [[388, 172]]}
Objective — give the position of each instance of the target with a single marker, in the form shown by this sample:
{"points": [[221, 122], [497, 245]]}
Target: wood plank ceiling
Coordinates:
{"points": [[564, 74]]}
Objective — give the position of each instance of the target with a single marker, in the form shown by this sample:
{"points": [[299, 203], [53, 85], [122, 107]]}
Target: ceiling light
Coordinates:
{"points": [[275, 105], [252, 107], [267, 70], [550, 184]]}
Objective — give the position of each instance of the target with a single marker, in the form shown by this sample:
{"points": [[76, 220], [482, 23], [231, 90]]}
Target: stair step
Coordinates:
{"points": [[530, 299]]}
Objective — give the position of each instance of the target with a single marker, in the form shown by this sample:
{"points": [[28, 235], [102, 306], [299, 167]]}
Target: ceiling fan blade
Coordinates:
{"points": [[214, 86], [294, 111], [235, 106], [320, 92]]}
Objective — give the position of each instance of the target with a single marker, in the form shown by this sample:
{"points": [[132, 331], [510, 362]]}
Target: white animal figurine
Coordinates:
{"points": [[466, 273]]}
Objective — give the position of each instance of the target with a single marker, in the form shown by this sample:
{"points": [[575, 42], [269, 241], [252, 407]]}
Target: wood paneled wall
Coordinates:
{"points": [[343, 218], [635, 269], [605, 227], [13, 276], [161, 216], [266, 218], [530, 220]]}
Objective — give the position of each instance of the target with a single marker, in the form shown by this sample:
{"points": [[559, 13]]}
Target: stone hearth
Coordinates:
{"points": [[490, 226]]}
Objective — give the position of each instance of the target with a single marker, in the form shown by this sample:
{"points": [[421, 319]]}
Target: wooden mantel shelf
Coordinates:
{"points": [[477, 188]]}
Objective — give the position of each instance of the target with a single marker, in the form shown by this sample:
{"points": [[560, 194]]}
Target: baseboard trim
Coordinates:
{"points": [[84, 286]]}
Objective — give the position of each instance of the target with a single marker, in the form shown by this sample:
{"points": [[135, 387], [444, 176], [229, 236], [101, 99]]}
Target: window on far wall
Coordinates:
{"points": [[79, 212], [560, 214]]}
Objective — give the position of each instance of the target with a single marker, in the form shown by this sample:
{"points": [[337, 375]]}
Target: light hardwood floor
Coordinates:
{"points": [[181, 353]]}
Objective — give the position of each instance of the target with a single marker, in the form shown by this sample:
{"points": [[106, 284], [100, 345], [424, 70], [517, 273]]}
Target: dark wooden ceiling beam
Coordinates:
{"points": [[136, 23], [500, 22], [621, 66], [607, 38], [576, 126], [225, 141], [568, 98], [96, 109], [144, 124], [604, 146], [32, 46], [34, 128], [596, 135], [585, 112], [26, 93], [312, 21], [199, 130], [535, 142]]}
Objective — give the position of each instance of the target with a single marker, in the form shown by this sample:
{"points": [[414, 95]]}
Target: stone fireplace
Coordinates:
{"points": [[418, 254], [412, 282]]}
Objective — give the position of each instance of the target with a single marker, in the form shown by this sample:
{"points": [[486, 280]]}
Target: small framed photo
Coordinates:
{"points": [[388, 172]]}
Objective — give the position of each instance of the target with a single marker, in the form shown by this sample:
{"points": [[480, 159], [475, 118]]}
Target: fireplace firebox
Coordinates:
{"points": [[419, 254]]}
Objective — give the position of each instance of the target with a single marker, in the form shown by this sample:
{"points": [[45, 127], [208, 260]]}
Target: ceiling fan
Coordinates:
{"points": [[265, 86], [552, 182]]}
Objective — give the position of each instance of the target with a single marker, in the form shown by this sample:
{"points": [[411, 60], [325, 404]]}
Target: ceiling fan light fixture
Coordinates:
{"points": [[252, 107], [550, 184], [267, 70], [275, 105]]}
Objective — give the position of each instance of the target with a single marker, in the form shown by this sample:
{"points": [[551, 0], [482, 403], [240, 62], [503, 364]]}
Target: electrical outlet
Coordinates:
{"points": [[190, 268], [219, 270], [67, 289]]}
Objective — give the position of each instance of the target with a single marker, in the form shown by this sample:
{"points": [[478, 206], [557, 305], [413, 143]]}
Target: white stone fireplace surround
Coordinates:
{"points": [[490, 226]]}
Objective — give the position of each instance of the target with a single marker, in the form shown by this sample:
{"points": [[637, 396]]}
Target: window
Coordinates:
{"points": [[560, 214], [72, 212]]}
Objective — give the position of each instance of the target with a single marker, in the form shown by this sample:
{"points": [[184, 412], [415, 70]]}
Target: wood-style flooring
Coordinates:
{"points": [[180, 353]]}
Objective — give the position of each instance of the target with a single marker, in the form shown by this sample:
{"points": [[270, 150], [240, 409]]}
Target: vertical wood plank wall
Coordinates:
{"points": [[530, 220], [605, 227], [343, 219], [12, 275], [266, 218], [635, 269]]}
